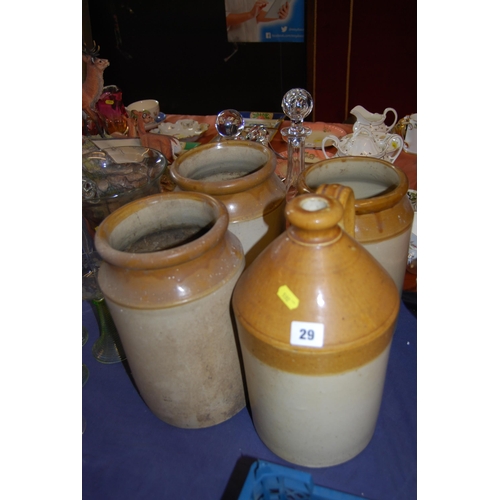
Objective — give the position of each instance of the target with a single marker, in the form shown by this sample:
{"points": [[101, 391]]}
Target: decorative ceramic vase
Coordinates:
{"points": [[242, 175], [315, 314], [384, 214], [168, 272]]}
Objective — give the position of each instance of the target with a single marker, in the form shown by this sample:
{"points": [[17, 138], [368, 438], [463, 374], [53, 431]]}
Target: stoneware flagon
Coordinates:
{"points": [[169, 268], [316, 315], [242, 175], [383, 212]]}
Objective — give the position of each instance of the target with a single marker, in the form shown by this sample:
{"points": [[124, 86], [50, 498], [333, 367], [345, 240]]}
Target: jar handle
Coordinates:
{"points": [[345, 195]]}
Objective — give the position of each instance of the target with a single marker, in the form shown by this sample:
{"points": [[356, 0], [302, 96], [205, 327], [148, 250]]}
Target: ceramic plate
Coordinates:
{"points": [[184, 130], [315, 140]]}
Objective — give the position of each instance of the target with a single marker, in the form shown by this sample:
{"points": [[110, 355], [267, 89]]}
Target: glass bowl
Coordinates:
{"points": [[113, 177]]}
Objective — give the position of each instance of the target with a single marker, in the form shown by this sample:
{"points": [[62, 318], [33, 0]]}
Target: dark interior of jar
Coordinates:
{"points": [[162, 225], [164, 239], [215, 166]]}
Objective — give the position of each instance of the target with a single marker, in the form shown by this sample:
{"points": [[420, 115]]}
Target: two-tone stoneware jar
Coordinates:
{"points": [[169, 269], [316, 314], [242, 175], [383, 213]]}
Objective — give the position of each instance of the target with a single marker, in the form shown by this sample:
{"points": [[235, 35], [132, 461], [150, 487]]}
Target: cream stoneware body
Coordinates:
{"points": [[315, 314], [383, 212], [171, 304], [242, 175]]}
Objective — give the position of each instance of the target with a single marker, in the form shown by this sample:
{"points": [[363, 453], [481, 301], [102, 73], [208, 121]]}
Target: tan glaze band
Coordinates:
{"points": [[328, 279], [316, 361], [386, 224], [173, 276], [377, 218], [170, 287], [333, 171]]}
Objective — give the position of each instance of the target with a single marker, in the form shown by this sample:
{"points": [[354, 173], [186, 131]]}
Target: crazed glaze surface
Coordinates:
{"points": [[172, 307]]}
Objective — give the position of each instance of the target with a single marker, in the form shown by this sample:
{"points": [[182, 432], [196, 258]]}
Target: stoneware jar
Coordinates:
{"points": [[242, 175], [169, 269], [315, 314], [383, 212]]}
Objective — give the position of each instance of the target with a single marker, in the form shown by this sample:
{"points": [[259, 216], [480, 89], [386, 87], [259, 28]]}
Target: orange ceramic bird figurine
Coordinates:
{"points": [[94, 82]]}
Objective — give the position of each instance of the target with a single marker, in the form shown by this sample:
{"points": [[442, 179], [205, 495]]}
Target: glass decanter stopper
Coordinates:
{"points": [[229, 124], [296, 104]]}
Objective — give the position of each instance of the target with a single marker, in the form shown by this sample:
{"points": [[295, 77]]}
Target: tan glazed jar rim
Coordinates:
{"points": [[362, 205], [112, 232], [229, 186]]}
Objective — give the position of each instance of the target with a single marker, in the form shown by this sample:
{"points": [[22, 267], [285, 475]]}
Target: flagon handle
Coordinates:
{"points": [[345, 195]]}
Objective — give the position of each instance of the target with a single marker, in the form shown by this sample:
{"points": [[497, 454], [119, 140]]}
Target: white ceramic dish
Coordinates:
{"points": [[184, 130]]}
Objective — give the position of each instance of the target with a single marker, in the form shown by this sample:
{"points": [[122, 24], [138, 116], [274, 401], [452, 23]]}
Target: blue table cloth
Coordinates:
{"points": [[128, 453]]}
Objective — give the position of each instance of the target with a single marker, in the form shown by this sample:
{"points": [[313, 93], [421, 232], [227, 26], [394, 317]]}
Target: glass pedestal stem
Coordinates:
{"points": [[108, 347]]}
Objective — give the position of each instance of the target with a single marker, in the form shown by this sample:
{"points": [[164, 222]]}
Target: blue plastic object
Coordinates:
{"points": [[266, 481]]}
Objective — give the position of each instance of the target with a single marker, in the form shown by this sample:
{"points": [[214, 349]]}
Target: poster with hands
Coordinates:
{"points": [[265, 20]]}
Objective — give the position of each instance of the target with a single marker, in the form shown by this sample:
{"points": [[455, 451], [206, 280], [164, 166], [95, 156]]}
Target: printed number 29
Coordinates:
{"points": [[306, 334]]}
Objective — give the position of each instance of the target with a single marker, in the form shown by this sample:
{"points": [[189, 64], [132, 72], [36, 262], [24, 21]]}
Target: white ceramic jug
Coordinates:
{"points": [[373, 121]]}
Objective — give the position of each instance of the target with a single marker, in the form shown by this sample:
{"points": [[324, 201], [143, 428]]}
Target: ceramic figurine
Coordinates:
{"points": [[93, 84]]}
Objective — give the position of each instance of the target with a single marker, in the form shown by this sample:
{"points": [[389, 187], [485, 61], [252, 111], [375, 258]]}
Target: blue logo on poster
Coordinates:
{"points": [[265, 20]]}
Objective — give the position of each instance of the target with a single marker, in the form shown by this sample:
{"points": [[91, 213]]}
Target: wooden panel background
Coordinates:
{"points": [[362, 52]]}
